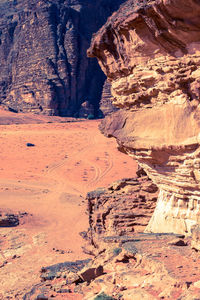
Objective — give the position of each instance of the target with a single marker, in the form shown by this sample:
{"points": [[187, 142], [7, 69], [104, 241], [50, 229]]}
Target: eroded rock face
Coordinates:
{"points": [[124, 208], [151, 54], [106, 106], [44, 68]]}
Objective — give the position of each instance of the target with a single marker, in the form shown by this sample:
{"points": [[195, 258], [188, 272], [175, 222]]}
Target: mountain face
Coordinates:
{"points": [[150, 54], [43, 63]]}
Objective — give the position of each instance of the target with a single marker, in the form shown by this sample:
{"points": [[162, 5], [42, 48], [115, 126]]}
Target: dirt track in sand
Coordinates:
{"points": [[49, 182]]}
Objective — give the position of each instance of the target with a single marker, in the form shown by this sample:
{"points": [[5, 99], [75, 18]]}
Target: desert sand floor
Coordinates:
{"points": [[49, 182]]}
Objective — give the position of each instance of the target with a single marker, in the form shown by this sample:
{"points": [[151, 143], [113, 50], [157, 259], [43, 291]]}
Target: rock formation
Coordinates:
{"points": [[105, 105], [150, 52], [147, 266], [43, 63], [122, 209]]}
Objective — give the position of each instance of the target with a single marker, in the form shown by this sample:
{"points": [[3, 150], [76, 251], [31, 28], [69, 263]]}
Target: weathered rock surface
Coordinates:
{"points": [[146, 266], [43, 63], [106, 106], [122, 209], [151, 54], [63, 270]]}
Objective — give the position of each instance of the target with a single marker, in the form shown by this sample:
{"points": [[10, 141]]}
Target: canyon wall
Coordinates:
{"points": [[150, 52], [44, 67]]}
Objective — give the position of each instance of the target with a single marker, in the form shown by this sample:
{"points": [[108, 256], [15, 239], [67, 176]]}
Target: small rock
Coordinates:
{"points": [[177, 242], [91, 273], [41, 297], [30, 145]]}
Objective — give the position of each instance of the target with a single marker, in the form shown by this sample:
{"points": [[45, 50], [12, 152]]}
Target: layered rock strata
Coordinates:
{"points": [[126, 206], [105, 105], [43, 63], [151, 54]]}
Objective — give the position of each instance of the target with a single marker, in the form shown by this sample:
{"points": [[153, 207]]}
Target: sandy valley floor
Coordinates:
{"points": [[49, 182]]}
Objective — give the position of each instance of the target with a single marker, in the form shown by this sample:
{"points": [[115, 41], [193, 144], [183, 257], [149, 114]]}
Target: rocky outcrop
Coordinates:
{"points": [[147, 266], [151, 54], [122, 209], [106, 106], [44, 68]]}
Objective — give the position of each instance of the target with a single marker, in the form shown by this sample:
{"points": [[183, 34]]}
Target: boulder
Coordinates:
{"points": [[89, 274]]}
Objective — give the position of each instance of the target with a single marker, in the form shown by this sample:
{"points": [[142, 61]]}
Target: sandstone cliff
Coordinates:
{"points": [[151, 54], [43, 63]]}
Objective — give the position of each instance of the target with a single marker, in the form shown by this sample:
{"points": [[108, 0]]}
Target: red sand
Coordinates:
{"points": [[49, 181]]}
